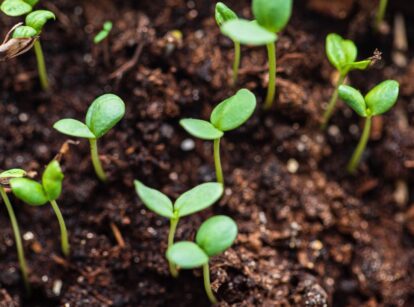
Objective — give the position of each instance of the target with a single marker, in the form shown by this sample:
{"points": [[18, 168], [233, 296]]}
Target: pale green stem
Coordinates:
{"points": [[95, 160], [271, 88], [380, 13], [41, 66], [356, 157], [171, 235], [207, 285], [217, 161], [332, 103], [236, 63], [63, 230], [17, 237]]}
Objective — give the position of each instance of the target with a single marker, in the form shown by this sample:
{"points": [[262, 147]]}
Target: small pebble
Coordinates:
{"points": [[292, 166], [187, 145], [57, 287], [28, 236]]}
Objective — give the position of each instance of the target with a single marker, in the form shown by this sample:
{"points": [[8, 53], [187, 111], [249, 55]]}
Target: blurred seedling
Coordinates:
{"points": [[102, 38], [379, 17], [15, 8], [192, 201]]}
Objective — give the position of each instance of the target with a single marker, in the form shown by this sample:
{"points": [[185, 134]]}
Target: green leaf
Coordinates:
{"points": [[273, 15], [216, 234], [248, 32], [24, 32], [350, 50], [31, 2], [52, 180], [73, 127], [340, 52], [13, 173], [37, 19], [15, 8], [361, 65], [223, 14], [187, 255], [154, 200], [354, 99], [107, 27], [234, 111], [382, 97], [198, 198], [29, 191], [201, 129], [104, 113]]}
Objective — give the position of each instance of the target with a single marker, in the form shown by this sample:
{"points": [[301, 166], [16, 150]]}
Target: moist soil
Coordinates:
{"points": [[309, 233]]}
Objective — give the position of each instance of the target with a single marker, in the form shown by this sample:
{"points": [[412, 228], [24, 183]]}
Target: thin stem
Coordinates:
{"points": [[41, 66], [63, 230], [17, 237], [207, 285], [332, 103], [217, 161], [236, 63], [380, 13], [171, 235], [271, 88], [356, 157], [95, 160]]}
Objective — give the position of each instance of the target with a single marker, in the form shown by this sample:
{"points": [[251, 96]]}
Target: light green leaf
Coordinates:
{"points": [[73, 127], [335, 51], [104, 113], [350, 50], [382, 97], [15, 8], [29, 191], [37, 19], [248, 32], [13, 173], [24, 32], [201, 129], [361, 65], [52, 180], [216, 234], [31, 2], [234, 111], [273, 15], [223, 14], [198, 198], [107, 27], [187, 255], [354, 99], [154, 200]]}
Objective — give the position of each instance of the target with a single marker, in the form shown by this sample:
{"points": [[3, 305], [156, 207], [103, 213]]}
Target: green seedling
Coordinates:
{"points": [[16, 8], [342, 54], [213, 237], [223, 14], [104, 33], [227, 115], [38, 194], [382, 7], [271, 17], [192, 201], [378, 101], [103, 114], [5, 178]]}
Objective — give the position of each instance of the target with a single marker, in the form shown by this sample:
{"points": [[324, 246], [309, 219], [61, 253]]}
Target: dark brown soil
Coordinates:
{"points": [[308, 237]]}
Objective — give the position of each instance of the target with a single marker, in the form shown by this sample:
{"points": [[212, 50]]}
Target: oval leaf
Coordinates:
{"points": [[104, 113], [340, 52], [234, 111], [273, 15], [15, 7], [223, 14], [31, 2], [73, 127], [24, 32], [52, 180], [353, 98], [187, 255], [201, 129], [29, 191], [198, 198], [38, 19], [248, 32], [13, 173], [107, 27], [382, 97], [154, 200], [216, 234]]}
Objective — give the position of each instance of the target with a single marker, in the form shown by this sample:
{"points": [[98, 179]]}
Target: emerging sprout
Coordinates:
{"points": [[13, 47], [214, 236], [192, 201], [227, 115], [342, 54], [103, 34], [271, 18], [16, 8], [5, 177], [222, 15], [38, 194], [103, 114], [382, 7], [378, 101]]}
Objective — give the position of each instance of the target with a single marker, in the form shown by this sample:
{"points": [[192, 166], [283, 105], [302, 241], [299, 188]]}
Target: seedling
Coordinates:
{"points": [[378, 101], [223, 14], [13, 47], [192, 201], [103, 114], [271, 18], [16, 8], [227, 115], [38, 194], [104, 33], [342, 54], [213, 237], [5, 177], [382, 7]]}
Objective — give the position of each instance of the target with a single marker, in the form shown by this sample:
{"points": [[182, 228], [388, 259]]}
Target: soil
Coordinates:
{"points": [[310, 235]]}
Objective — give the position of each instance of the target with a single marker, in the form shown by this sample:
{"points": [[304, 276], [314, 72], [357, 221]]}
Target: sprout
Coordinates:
{"points": [[16, 8], [271, 18], [227, 115], [5, 177], [222, 15], [13, 47], [342, 54], [382, 7], [192, 201], [103, 34], [213, 237], [378, 101], [38, 194], [103, 114]]}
